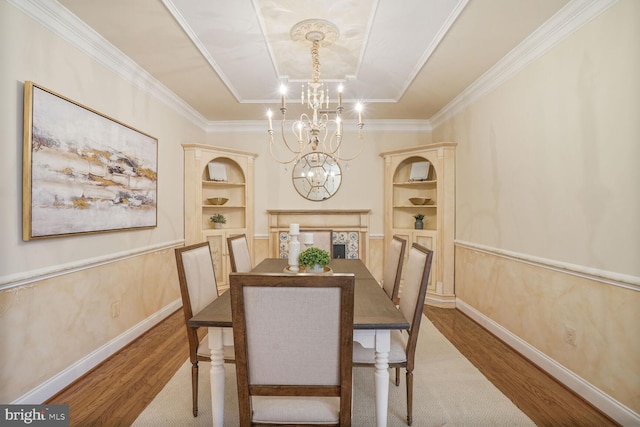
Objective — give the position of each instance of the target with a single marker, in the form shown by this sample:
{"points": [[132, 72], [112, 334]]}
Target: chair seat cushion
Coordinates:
{"points": [[296, 410], [397, 354]]}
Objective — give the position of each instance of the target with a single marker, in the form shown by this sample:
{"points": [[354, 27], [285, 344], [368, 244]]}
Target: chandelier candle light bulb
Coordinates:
{"points": [[283, 92]]}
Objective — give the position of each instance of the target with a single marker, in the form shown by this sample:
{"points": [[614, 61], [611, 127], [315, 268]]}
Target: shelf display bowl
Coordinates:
{"points": [[419, 201], [218, 200]]}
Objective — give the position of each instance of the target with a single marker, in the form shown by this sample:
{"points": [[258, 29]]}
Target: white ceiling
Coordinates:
{"points": [[404, 59]]}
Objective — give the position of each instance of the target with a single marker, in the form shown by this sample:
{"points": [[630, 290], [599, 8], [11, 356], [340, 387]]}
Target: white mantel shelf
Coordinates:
{"points": [[318, 211]]}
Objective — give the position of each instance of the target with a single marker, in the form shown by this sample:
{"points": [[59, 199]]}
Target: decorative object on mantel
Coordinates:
{"points": [[217, 220], [307, 240], [419, 225], [294, 247], [419, 201], [314, 260], [218, 201], [419, 171]]}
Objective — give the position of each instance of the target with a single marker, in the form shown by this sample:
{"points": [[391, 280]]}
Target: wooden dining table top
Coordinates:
{"points": [[372, 307]]}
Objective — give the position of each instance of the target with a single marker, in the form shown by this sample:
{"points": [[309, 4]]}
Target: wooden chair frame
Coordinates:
{"points": [[232, 257], [343, 390], [192, 332], [392, 291]]}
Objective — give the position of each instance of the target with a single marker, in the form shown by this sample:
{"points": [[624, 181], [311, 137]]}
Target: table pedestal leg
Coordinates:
{"points": [[382, 387], [217, 376]]}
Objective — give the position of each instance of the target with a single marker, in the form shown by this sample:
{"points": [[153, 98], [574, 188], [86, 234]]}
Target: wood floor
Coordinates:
{"points": [[117, 391], [543, 399]]}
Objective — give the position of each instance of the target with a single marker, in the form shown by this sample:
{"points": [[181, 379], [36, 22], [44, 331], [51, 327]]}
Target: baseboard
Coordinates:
{"points": [[61, 380], [602, 401]]}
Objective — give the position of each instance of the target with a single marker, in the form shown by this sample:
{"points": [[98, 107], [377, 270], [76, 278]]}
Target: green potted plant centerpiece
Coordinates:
{"points": [[217, 220], [419, 225], [314, 260]]}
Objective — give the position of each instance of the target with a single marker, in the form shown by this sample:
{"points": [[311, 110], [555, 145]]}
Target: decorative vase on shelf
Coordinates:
{"points": [[418, 225], [217, 220]]}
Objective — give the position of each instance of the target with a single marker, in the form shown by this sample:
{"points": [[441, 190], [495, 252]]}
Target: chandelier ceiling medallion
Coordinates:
{"points": [[320, 130]]}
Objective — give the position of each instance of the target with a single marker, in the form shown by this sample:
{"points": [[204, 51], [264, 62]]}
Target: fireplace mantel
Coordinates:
{"points": [[336, 220]]}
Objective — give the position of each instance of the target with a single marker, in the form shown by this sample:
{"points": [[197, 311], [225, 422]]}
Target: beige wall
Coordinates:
{"points": [[47, 325], [547, 162], [547, 171]]}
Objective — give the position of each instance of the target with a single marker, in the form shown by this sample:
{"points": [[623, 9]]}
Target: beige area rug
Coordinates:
{"points": [[448, 390]]}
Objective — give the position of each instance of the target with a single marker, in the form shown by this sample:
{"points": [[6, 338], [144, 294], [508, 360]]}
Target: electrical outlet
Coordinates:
{"points": [[115, 309], [570, 335]]}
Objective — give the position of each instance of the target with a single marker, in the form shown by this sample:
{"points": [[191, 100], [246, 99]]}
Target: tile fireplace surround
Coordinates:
{"points": [[344, 222]]}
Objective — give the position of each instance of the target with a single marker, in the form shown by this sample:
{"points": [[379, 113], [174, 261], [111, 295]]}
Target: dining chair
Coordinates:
{"points": [[198, 288], [239, 254], [293, 337], [393, 268], [403, 343]]}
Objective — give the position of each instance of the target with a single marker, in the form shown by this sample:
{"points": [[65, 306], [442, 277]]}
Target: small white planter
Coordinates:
{"points": [[315, 269]]}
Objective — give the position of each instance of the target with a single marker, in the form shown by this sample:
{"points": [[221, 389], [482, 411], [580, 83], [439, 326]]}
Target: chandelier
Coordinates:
{"points": [[320, 130]]}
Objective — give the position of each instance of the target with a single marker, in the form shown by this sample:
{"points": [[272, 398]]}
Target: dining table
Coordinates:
{"points": [[375, 316]]}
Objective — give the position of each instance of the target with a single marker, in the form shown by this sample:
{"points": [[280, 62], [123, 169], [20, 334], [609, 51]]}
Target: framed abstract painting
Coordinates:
{"points": [[83, 172]]}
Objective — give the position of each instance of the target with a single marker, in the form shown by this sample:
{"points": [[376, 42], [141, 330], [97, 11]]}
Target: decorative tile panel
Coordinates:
{"points": [[347, 239]]}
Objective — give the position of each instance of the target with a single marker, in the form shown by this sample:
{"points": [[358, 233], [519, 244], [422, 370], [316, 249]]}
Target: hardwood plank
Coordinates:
{"points": [[546, 401]]}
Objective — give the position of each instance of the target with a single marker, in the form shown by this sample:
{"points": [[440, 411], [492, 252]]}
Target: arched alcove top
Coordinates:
{"points": [[223, 169], [415, 168]]}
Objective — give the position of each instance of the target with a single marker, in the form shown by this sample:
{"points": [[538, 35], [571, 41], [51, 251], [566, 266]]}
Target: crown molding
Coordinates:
{"points": [[568, 20], [57, 19], [258, 126]]}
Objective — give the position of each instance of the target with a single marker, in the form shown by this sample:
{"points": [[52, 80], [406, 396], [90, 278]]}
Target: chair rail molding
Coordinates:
{"points": [[28, 277], [603, 276]]}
